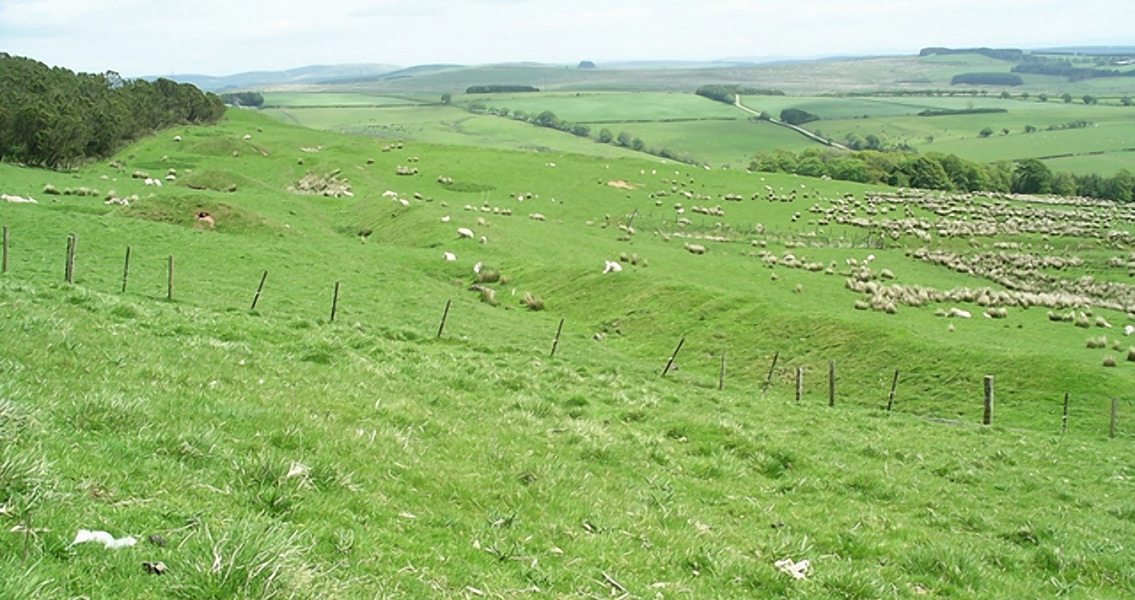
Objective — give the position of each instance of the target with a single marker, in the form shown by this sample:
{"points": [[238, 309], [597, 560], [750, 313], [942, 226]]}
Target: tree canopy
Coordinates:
{"points": [[54, 117]]}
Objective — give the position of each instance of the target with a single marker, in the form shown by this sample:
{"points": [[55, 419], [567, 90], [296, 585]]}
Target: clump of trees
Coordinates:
{"points": [[796, 116], [54, 117], [945, 112], [947, 172], [499, 89], [243, 99]]}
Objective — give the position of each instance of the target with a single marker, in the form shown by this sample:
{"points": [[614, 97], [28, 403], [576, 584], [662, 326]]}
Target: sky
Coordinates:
{"points": [[221, 37]]}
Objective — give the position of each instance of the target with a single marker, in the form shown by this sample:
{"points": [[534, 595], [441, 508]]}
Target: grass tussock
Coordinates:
{"points": [[489, 275], [246, 559], [532, 302]]}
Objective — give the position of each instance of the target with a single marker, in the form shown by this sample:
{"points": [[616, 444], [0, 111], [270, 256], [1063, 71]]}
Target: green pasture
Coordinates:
{"points": [[592, 107], [443, 125], [283, 455]]}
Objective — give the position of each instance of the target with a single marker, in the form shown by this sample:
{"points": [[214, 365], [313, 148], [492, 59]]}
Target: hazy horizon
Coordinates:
{"points": [[210, 37]]}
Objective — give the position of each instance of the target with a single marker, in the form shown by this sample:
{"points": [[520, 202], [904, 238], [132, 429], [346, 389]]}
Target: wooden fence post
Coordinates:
{"points": [[259, 289], [5, 250], [831, 383], [125, 269], [169, 287], [444, 316], [891, 398], [1114, 417], [721, 377], [69, 262], [670, 362], [1064, 419], [987, 415], [556, 341], [768, 379], [334, 302], [799, 383]]}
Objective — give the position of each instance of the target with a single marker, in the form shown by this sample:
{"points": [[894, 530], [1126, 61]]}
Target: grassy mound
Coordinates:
{"points": [[183, 210], [217, 181]]}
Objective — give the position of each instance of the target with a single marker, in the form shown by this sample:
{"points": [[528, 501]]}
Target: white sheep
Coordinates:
{"points": [[484, 240], [612, 267], [445, 219], [477, 267], [463, 232], [390, 194], [17, 199], [957, 312], [1129, 330], [449, 256]]}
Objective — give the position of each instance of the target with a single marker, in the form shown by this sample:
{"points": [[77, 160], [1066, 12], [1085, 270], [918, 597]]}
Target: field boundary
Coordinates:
{"points": [[797, 129]]}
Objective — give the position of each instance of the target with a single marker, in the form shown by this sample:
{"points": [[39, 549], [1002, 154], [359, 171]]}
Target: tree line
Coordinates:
{"points": [[499, 89], [987, 79], [53, 117], [946, 172]]}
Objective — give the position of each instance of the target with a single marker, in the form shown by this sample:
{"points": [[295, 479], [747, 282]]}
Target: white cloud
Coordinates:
{"points": [[218, 37]]}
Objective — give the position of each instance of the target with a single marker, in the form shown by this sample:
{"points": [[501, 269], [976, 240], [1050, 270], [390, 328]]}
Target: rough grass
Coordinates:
{"points": [[281, 455]]}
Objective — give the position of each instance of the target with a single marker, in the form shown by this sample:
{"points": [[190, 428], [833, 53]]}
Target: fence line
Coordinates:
{"points": [[987, 381]]}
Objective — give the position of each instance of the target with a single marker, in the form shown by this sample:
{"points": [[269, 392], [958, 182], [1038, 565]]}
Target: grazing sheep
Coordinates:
{"points": [[445, 219], [957, 312], [449, 256], [463, 232], [695, 248], [612, 267], [17, 199], [536, 217], [1128, 330], [484, 240], [177, 138], [205, 219]]}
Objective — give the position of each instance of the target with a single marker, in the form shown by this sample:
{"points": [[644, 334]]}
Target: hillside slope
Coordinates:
{"points": [[281, 455]]}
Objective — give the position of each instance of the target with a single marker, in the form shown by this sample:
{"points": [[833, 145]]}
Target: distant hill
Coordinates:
{"points": [[1090, 50], [312, 74]]}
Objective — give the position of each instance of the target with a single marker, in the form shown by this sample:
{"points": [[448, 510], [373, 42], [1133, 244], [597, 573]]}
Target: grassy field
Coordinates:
{"points": [[443, 125], [1110, 129], [602, 107], [281, 455], [717, 134], [308, 99]]}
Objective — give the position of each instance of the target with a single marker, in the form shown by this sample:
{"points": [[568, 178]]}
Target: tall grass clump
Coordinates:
{"points": [[246, 560], [532, 302]]}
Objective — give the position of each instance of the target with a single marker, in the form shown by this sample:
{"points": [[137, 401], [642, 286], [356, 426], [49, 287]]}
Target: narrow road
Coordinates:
{"points": [[797, 129]]}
